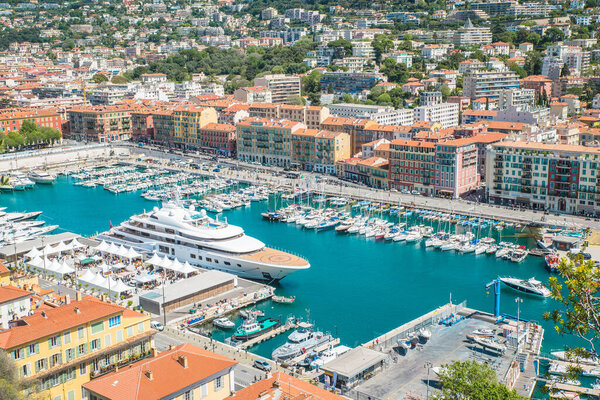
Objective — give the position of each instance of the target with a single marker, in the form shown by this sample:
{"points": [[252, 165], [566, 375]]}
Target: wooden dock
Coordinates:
{"points": [[573, 388], [318, 349], [272, 334]]}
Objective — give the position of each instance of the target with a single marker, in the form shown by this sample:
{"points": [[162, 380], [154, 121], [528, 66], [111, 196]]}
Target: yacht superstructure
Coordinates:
{"points": [[192, 236]]}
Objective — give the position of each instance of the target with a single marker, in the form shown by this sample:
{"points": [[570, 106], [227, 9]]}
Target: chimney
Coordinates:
{"points": [[171, 346], [149, 374], [44, 314], [67, 299], [183, 361], [78, 295], [154, 352], [77, 310]]}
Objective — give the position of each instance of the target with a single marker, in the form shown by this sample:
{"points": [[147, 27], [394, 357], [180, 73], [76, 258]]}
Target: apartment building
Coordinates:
{"points": [[341, 82], [412, 166], [100, 124], [281, 86], [540, 84], [11, 119], [181, 125], [456, 167], [430, 98], [15, 303], [311, 116], [183, 372], [266, 141], [63, 348], [373, 172], [481, 84], [521, 99], [217, 137], [470, 35], [493, 7], [556, 177], [319, 150], [445, 114], [254, 94], [385, 115]]}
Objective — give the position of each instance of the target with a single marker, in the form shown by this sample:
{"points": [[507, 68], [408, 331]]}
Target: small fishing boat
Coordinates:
{"points": [[223, 323], [284, 300], [246, 314], [252, 328], [552, 262]]}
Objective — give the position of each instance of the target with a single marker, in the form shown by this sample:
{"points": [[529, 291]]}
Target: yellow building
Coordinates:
{"points": [[318, 151], [184, 372], [4, 275], [64, 347], [180, 125]]}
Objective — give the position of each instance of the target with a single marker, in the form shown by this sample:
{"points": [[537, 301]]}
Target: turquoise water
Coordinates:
{"points": [[357, 287]]}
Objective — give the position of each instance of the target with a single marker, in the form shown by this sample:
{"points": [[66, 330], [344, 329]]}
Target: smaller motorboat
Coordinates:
{"points": [[223, 323], [484, 332], [488, 343], [529, 286], [284, 300], [424, 334], [246, 314]]}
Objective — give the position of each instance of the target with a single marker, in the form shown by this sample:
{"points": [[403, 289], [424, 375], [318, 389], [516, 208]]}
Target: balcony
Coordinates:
{"points": [[526, 175], [109, 368], [498, 165]]}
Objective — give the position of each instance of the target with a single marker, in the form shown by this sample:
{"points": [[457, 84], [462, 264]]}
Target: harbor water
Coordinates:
{"points": [[356, 288]]}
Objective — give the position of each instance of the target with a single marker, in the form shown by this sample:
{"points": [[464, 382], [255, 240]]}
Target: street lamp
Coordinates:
{"points": [[427, 365], [518, 300]]}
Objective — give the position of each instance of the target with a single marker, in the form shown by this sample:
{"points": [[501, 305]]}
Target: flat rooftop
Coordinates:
{"points": [[407, 375], [189, 286]]}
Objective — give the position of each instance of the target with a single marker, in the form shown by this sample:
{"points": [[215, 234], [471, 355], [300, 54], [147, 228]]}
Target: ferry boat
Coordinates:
{"points": [[41, 177], [252, 328], [529, 286], [192, 236], [299, 342]]}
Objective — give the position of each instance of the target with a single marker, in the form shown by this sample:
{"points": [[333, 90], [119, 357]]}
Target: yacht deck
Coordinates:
{"points": [[276, 257]]}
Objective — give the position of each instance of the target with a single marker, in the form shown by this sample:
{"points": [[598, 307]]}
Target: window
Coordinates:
{"points": [[203, 391], [34, 348], [97, 327], [55, 359], [67, 338], [141, 327], [119, 335], [114, 321], [189, 395], [94, 344], [18, 353], [81, 349], [41, 364], [107, 340], [227, 263], [218, 383], [208, 259], [81, 332], [70, 354], [25, 370], [82, 369], [129, 331], [70, 374], [54, 341]]}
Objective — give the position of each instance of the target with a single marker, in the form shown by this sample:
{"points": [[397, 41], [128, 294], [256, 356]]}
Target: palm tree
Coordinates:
{"points": [[3, 180]]}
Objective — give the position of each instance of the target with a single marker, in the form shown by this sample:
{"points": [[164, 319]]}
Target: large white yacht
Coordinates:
{"points": [[192, 236]]}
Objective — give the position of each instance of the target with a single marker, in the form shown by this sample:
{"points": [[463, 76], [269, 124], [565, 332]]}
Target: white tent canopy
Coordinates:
{"points": [[188, 269], [155, 260], [33, 253], [132, 254], [49, 250], [102, 247], [36, 262], [76, 244]]}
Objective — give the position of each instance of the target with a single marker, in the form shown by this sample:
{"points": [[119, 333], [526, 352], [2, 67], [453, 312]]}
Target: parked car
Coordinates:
{"points": [[262, 365], [157, 325]]}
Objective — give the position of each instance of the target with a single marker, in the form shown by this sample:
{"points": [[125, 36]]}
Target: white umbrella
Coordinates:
{"points": [[33, 253]]}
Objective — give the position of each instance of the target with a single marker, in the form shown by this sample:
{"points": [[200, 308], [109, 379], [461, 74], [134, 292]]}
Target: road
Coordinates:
{"points": [[333, 186]]}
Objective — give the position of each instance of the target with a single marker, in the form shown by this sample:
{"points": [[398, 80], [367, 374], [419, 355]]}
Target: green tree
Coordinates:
{"points": [[381, 44], [295, 100], [384, 99], [533, 63], [553, 35], [119, 80], [343, 44], [472, 380], [10, 385], [534, 38], [445, 91], [99, 78], [14, 140], [578, 295], [314, 98]]}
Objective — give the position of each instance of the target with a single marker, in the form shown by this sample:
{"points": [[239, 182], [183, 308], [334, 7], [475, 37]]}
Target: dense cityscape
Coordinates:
{"points": [[436, 164]]}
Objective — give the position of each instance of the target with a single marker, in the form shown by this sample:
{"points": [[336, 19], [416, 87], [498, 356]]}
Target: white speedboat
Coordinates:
{"points": [[564, 356], [192, 236], [488, 343], [300, 341], [529, 286], [329, 355], [223, 323]]}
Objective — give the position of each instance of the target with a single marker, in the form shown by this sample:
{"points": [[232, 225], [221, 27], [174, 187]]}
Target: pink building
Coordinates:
{"points": [[456, 167], [218, 137]]}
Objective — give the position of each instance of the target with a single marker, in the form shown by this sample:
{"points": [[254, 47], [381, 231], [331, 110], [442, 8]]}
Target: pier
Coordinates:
{"points": [[271, 334], [573, 388]]}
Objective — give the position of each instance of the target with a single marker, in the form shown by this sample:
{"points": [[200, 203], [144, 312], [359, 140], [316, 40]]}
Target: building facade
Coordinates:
{"points": [[318, 151], [266, 141], [281, 86], [480, 84]]}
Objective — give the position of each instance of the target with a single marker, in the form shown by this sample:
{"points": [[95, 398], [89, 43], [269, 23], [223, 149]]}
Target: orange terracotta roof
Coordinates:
{"points": [[413, 143], [3, 269], [490, 113], [549, 147], [283, 386], [213, 126], [9, 293], [268, 123], [57, 320], [168, 374]]}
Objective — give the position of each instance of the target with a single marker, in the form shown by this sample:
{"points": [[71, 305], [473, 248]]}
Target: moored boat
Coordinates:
{"points": [[252, 328], [529, 286]]}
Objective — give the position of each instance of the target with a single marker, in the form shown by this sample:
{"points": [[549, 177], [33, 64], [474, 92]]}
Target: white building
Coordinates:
{"points": [[281, 86], [522, 99], [445, 114], [430, 98], [15, 303], [363, 49], [469, 34], [383, 115]]}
